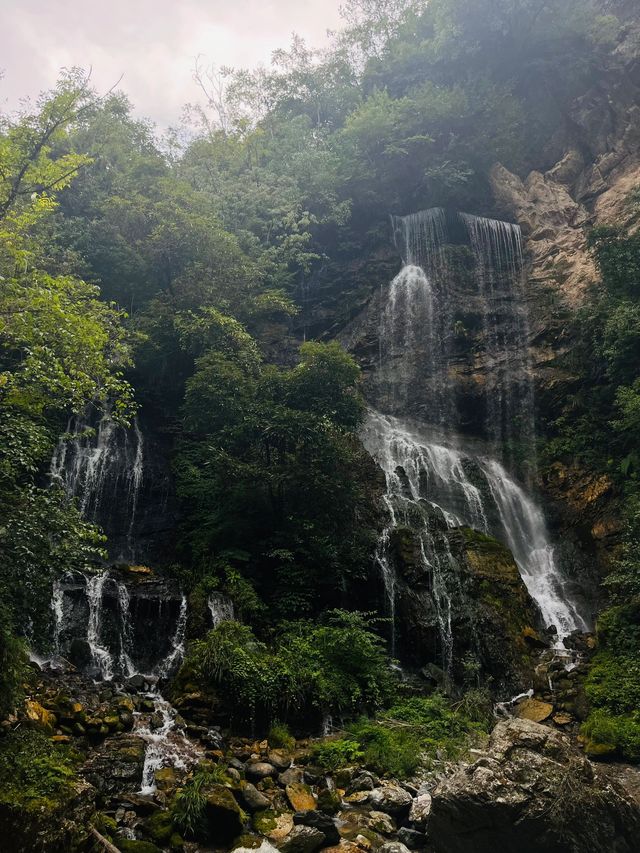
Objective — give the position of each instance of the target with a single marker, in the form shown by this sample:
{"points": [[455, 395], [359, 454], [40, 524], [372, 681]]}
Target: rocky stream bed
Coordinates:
{"points": [[528, 788]]}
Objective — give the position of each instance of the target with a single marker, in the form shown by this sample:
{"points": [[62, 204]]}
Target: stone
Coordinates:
{"points": [[39, 717], [274, 824], [394, 847], [165, 778], [318, 820], [254, 799], [280, 758], [381, 822], [301, 797], [531, 792], [223, 815], [302, 839], [562, 719], [259, 770], [362, 782], [390, 799], [534, 710], [329, 801], [291, 776], [420, 810]]}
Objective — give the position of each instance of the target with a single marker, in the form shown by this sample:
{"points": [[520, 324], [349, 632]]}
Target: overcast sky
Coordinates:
{"points": [[154, 43]]}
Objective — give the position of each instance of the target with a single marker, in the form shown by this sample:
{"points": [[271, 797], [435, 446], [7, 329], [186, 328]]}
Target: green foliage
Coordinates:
{"points": [[280, 737], [613, 684], [187, 808], [404, 737], [335, 667], [34, 771], [13, 665]]}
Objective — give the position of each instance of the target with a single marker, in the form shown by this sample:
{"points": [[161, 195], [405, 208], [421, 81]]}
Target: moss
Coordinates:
{"points": [[159, 827], [127, 845], [265, 821]]}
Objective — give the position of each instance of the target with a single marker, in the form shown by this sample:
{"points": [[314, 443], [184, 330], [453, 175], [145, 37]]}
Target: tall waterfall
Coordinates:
{"points": [[459, 270], [103, 469]]}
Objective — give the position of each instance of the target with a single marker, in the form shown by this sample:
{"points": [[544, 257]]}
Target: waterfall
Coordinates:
{"points": [[176, 653], [101, 656], [221, 609], [459, 270], [127, 666], [57, 610], [102, 468]]}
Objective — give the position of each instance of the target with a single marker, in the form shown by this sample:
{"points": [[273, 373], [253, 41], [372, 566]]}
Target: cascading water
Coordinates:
{"points": [[221, 609], [432, 464], [176, 652], [102, 657], [103, 469]]}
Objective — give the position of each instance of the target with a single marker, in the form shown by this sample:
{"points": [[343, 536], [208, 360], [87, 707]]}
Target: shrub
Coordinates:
{"points": [[338, 666], [187, 809], [280, 737], [402, 737], [33, 770]]}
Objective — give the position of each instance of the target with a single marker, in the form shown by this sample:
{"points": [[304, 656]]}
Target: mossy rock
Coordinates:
{"points": [[329, 801], [248, 842], [225, 818], [127, 845], [159, 827], [600, 751]]}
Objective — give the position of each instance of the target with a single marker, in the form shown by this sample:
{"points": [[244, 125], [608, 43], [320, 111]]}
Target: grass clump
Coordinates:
{"points": [[187, 809], [404, 736], [280, 737]]}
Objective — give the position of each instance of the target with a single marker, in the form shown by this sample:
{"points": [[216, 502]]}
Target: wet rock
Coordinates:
{"points": [[116, 765], [390, 799], [223, 815], [532, 792], [319, 821], [254, 799], [301, 797], [302, 839]]}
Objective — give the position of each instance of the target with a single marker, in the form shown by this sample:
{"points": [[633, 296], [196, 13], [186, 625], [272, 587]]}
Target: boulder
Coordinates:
{"points": [[259, 770], [534, 709], [274, 824], [381, 822], [390, 799], [290, 776], [532, 792], [223, 815], [280, 758], [320, 821], [254, 799], [39, 717], [393, 847], [302, 839]]}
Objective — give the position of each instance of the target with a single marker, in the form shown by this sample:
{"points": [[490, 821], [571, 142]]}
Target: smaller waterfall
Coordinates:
{"points": [[463, 489], [126, 631], [101, 655], [221, 608], [177, 643], [57, 609], [167, 746]]}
